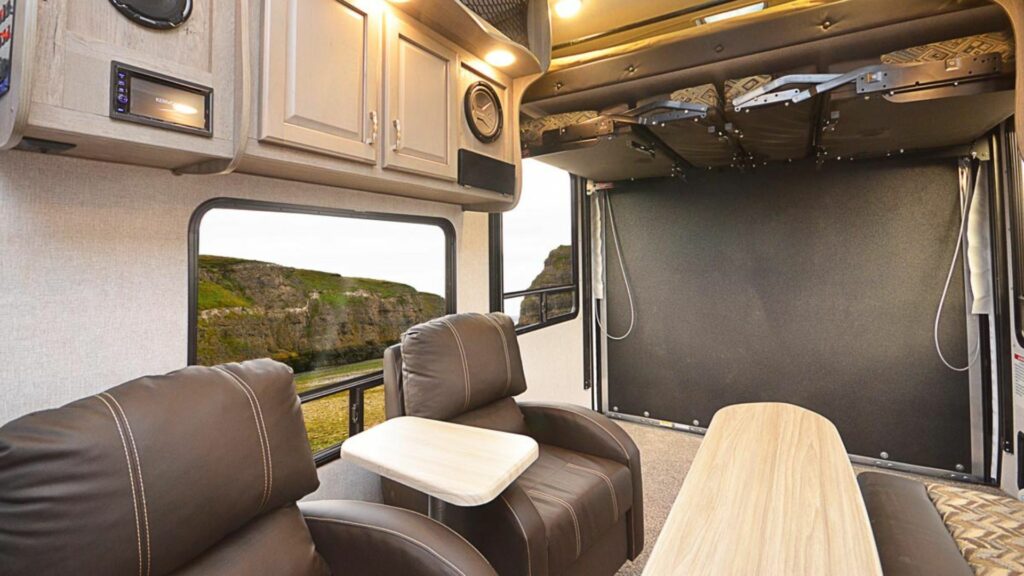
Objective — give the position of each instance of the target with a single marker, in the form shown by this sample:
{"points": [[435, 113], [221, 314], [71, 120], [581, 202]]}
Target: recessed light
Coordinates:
{"points": [[500, 58], [568, 8], [742, 11]]}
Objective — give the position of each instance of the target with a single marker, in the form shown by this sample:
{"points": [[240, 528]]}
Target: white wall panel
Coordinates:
{"points": [[94, 268]]}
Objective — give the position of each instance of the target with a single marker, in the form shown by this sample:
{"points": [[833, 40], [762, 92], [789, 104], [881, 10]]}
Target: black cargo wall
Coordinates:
{"points": [[793, 283]]}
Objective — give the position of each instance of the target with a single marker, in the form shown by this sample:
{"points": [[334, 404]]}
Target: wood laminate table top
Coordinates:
{"points": [[771, 492], [462, 465]]}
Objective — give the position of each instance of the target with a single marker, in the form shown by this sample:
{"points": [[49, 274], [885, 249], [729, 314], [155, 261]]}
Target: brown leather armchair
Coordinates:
{"points": [[196, 472], [577, 510]]}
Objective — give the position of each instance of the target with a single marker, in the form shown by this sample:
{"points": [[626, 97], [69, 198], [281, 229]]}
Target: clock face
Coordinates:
{"points": [[483, 112]]}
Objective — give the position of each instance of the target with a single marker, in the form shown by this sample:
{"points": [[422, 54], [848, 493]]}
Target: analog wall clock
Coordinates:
{"points": [[483, 112]]}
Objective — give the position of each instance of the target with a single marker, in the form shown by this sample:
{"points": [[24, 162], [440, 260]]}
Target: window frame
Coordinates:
{"points": [[355, 386], [577, 187]]}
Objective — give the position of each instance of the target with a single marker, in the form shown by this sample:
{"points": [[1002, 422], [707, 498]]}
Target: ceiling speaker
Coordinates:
{"points": [[159, 14]]}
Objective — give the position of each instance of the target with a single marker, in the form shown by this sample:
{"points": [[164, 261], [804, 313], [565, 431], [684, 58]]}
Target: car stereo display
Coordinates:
{"points": [[156, 100]]}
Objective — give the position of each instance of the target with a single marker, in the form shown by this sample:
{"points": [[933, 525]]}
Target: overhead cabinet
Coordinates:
{"points": [[322, 71], [421, 101]]}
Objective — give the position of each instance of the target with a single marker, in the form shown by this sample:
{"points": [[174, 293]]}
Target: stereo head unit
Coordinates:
{"points": [[154, 99]]}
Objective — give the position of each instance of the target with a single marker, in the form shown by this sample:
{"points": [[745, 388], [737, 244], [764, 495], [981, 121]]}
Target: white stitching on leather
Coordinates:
{"points": [[142, 483], [504, 344], [607, 481], [131, 478], [465, 362], [526, 539], [266, 439], [592, 421], [575, 520], [393, 533], [259, 434]]}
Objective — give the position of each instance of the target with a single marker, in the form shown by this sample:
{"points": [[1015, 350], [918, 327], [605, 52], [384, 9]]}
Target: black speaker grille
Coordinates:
{"points": [[160, 14], [508, 16]]}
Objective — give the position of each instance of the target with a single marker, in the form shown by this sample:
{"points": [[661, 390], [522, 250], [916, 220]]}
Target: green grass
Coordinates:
{"points": [[323, 376], [213, 295], [327, 418]]}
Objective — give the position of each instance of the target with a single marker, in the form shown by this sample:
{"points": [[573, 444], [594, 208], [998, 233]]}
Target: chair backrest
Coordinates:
{"points": [[160, 475], [461, 367]]}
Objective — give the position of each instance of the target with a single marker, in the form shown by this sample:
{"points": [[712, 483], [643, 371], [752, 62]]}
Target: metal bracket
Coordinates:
{"points": [[667, 111], [652, 114], [889, 79]]}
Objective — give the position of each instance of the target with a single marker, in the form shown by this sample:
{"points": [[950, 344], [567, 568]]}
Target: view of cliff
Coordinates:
{"points": [[557, 272], [304, 318]]}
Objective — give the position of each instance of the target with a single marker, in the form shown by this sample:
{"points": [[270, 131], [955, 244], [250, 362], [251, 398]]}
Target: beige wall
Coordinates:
{"points": [[94, 281], [94, 268], [552, 356]]}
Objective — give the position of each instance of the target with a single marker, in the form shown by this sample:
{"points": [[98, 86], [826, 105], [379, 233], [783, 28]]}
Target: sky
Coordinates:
{"points": [[412, 254]]}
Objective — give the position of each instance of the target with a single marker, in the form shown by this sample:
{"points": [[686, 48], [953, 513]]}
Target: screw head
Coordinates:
{"points": [[696, 422], [959, 467], [884, 455], [646, 414], [615, 408]]}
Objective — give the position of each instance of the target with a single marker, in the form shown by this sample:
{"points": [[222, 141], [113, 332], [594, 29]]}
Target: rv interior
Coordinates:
{"points": [[511, 287]]}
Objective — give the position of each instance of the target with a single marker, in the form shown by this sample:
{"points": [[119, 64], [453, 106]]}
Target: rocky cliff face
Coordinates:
{"points": [[557, 272], [305, 318]]}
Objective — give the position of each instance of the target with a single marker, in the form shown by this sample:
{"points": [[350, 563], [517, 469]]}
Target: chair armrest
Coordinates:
{"points": [[581, 430], [373, 539]]}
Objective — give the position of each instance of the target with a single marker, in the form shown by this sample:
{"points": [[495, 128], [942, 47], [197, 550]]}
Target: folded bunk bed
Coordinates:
{"points": [[705, 142], [928, 97], [776, 134], [657, 138]]}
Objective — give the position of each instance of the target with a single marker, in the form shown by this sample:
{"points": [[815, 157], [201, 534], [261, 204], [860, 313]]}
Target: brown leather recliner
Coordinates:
{"points": [[577, 510], [196, 472]]}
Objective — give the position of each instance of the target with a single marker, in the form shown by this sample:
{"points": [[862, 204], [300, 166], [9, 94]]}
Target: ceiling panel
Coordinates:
{"points": [[601, 15]]}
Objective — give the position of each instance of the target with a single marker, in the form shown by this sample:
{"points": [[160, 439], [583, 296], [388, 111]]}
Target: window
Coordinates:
{"points": [[322, 291], [534, 252]]}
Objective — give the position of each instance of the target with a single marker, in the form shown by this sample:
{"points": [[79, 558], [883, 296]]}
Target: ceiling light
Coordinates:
{"points": [[568, 8], [500, 58], [743, 11]]}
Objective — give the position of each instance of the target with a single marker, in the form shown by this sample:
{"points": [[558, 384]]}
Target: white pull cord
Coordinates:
{"points": [[625, 278], [965, 207]]}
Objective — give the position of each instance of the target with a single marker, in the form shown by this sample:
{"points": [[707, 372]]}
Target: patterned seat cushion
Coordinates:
{"points": [[988, 528], [705, 94], [532, 130], [740, 86], [1001, 42]]}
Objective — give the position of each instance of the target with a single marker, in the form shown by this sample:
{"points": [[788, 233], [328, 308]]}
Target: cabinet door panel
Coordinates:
{"points": [[322, 74], [421, 75]]}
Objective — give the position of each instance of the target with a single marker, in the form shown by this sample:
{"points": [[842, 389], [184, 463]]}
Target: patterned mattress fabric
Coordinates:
{"points": [[988, 528], [532, 130], [1001, 42], [705, 94], [740, 86]]}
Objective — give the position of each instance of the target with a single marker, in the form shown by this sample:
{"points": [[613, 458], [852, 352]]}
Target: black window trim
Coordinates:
{"points": [[497, 279], [354, 386]]}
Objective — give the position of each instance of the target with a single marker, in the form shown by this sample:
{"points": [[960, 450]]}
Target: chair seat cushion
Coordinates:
{"points": [[988, 528], [579, 497]]}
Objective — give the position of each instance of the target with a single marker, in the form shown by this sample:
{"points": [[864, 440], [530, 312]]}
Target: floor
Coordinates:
{"points": [[666, 456]]}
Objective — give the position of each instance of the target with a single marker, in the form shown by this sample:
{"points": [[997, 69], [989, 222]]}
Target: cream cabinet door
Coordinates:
{"points": [[421, 102], [321, 76]]}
